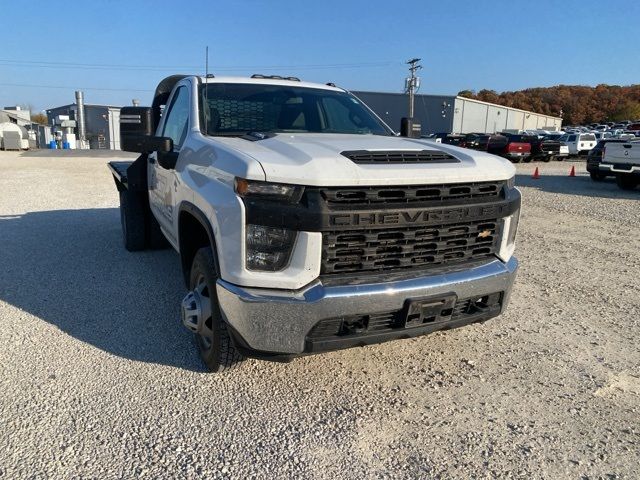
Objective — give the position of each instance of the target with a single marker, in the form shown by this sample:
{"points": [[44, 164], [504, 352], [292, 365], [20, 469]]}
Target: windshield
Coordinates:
{"points": [[237, 109]]}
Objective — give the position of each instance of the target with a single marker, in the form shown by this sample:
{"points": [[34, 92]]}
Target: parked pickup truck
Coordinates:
{"points": [[544, 149], [623, 160], [594, 160], [516, 148], [302, 222]]}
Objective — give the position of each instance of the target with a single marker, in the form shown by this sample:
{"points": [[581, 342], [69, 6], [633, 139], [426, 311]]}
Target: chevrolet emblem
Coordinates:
{"points": [[484, 234]]}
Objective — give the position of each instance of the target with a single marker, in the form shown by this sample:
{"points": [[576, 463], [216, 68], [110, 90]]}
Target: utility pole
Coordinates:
{"points": [[412, 82], [408, 128]]}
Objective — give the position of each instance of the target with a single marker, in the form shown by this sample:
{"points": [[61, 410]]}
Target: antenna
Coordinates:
{"points": [[205, 106]]}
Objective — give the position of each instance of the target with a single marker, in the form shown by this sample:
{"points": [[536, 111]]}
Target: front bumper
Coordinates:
{"points": [[278, 322]]}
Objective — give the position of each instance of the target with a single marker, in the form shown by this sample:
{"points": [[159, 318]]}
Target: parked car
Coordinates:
{"points": [[515, 149], [449, 138], [594, 159], [603, 135], [471, 140], [543, 148], [633, 128], [485, 142], [579, 143], [623, 160]]}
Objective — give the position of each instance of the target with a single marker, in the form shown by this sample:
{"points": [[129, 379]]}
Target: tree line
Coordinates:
{"points": [[577, 104]]}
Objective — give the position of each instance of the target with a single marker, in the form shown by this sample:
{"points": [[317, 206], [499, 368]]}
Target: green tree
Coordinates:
{"points": [[628, 111]]}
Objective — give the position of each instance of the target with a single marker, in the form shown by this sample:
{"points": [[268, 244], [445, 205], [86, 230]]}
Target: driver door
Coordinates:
{"points": [[163, 181]]}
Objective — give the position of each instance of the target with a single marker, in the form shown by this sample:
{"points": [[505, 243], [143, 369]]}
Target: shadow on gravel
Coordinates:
{"points": [[580, 185], [69, 268]]}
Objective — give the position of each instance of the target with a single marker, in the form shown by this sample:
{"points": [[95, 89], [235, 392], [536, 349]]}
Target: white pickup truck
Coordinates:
{"points": [[304, 224], [622, 160]]}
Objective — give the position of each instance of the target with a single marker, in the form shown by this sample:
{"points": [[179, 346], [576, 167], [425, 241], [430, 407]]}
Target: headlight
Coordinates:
{"points": [[509, 230], [511, 182], [268, 248], [268, 191]]}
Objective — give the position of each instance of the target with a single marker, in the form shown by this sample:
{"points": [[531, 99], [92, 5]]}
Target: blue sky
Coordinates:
{"points": [[117, 50]]}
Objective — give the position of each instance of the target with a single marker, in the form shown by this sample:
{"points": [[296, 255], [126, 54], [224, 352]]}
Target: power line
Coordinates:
{"points": [[75, 87], [221, 68]]}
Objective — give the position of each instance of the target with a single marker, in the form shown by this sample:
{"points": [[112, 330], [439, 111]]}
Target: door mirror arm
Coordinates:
{"points": [[167, 160]]}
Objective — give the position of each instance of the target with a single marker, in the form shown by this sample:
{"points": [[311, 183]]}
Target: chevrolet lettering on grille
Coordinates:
{"points": [[413, 217]]}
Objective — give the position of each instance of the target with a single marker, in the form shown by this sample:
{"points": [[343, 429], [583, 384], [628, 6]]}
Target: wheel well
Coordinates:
{"points": [[193, 236]]}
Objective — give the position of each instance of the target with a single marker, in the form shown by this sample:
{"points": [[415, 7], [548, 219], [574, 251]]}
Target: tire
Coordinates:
{"points": [[515, 159], [214, 344], [626, 182], [547, 158], [132, 221], [527, 159], [597, 177]]}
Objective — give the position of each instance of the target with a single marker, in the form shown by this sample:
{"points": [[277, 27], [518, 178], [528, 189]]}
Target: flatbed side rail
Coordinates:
{"points": [[130, 175]]}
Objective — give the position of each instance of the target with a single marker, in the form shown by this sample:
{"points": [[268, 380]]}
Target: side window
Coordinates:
{"points": [[177, 121]]}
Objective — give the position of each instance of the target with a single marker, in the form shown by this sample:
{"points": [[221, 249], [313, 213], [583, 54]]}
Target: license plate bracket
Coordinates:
{"points": [[427, 311]]}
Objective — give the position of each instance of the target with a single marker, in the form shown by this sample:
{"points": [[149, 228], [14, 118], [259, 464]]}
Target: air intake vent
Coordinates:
{"points": [[367, 157]]}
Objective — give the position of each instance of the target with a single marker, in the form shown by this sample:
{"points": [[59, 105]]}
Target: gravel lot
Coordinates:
{"points": [[99, 380]]}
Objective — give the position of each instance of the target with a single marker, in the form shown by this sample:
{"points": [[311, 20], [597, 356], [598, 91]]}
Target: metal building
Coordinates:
{"points": [[454, 114], [17, 115], [102, 123]]}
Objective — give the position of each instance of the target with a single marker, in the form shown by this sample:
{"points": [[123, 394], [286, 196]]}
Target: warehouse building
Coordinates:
{"points": [[102, 123], [455, 114]]}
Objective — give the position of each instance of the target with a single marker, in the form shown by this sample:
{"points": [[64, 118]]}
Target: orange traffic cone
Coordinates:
{"points": [[536, 174], [572, 173]]}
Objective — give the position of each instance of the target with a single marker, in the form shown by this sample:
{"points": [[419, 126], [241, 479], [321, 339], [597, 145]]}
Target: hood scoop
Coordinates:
{"points": [[377, 157]]}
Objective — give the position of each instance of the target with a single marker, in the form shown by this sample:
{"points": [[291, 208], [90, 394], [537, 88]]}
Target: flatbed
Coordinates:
{"points": [[130, 175]]}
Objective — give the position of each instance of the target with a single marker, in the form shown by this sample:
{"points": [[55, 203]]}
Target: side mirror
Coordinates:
{"points": [[156, 144], [167, 160]]}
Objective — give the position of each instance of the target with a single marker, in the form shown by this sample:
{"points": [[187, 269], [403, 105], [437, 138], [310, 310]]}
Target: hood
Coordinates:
{"points": [[316, 160]]}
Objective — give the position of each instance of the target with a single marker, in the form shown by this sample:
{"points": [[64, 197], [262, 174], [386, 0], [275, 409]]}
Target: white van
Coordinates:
{"points": [[579, 143]]}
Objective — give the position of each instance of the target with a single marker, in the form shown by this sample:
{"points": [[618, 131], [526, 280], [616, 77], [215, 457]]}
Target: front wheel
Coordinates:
{"points": [[597, 177], [626, 182], [212, 336], [548, 158]]}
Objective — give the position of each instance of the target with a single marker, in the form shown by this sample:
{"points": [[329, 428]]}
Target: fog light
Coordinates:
{"points": [[268, 248]]}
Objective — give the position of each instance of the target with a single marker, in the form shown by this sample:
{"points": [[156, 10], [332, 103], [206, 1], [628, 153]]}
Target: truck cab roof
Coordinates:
{"points": [[269, 80]]}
